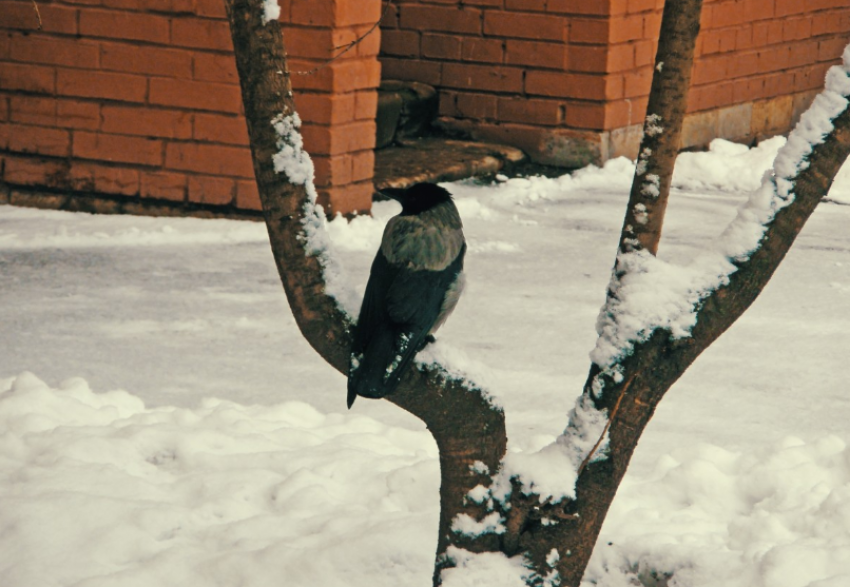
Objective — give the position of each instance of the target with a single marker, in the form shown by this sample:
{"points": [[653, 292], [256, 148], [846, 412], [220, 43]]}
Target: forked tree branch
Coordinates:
{"points": [[459, 417]]}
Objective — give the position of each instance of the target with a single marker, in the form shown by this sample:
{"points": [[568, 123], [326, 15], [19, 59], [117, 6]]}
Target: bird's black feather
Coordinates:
{"points": [[412, 286]]}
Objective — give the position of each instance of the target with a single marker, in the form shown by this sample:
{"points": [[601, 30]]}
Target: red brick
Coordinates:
{"points": [[368, 43], [483, 50], [212, 159], [448, 104], [477, 106], [601, 59], [365, 105], [536, 54], [440, 19], [217, 191], [617, 114], [354, 197], [334, 170], [651, 25], [157, 61], [5, 131], [32, 110], [27, 78], [54, 51], [163, 185], [104, 179], [788, 7], [216, 128], [38, 140], [525, 26], [247, 195], [19, 14], [32, 171], [195, 95], [333, 13], [830, 49], [585, 115], [78, 114], [526, 5], [827, 23], [637, 83], [340, 76], [363, 165], [742, 65], [568, 85], [641, 6], [627, 28], [531, 111], [172, 6], [441, 46], [4, 108], [710, 97], [326, 108], [211, 8], [482, 77], [589, 31], [710, 70], [727, 14], [211, 67], [645, 53], [124, 149], [124, 25], [201, 34], [595, 8], [744, 38], [759, 9], [310, 43], [401, 43], [338, 139], [101, 84], [146, 122], [427, 72], [774, 58]]}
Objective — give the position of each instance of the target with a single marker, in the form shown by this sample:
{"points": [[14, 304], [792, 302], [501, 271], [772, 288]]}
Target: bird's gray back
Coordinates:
{"points": [[429, 241]]}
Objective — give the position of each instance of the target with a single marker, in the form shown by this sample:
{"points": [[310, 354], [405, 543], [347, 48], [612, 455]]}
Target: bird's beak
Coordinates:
{"points": [[393, 193]]}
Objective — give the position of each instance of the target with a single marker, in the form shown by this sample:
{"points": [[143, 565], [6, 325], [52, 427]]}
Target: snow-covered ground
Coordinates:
{"points": [[163, 422]]}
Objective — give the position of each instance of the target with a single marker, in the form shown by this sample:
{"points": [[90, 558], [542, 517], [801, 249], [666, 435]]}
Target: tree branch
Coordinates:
{"points": [[668, 102]]}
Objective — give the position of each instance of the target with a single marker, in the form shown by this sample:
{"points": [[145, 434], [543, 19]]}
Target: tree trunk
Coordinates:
{"points": [[465, 425]]}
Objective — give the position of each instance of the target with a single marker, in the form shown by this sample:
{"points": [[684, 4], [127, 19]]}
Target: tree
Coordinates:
{"points": [[495, 506]]}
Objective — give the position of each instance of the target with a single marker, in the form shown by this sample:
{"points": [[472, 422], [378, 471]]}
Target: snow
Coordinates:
{"points": [[271, 11], [163, 422]]}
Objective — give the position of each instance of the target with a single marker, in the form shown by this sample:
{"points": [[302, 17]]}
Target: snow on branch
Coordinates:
{"points": [[647, 294], [293, 161]]}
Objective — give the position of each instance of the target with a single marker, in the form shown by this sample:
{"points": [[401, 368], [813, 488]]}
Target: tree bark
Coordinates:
{"points": [[662, 130]]}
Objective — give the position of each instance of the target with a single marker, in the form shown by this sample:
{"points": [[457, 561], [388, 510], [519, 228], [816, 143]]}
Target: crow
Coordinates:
{"points": [[415, 282]]}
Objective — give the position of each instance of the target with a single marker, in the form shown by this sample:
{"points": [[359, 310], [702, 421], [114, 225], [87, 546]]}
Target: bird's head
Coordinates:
{"points": [[418, 198]]}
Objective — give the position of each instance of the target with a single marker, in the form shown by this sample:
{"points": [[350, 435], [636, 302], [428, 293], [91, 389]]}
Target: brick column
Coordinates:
{"points": [[338, 102], [134, 105]]}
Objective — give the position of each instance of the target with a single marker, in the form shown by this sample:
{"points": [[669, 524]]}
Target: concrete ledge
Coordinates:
{"points": [[434, 159]]}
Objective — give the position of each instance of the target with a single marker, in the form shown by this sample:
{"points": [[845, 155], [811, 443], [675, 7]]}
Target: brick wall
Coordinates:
{"points": [[138, 101], [567, 80]]}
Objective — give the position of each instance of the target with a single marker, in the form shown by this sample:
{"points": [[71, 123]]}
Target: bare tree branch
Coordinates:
{"points": [[662, 128]]}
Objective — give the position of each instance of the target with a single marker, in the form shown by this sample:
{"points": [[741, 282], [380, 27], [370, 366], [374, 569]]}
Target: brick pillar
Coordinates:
{"points": [[338, 102]]}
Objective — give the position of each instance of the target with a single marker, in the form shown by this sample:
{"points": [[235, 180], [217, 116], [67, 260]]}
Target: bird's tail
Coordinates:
{"points": [[377, 371]]}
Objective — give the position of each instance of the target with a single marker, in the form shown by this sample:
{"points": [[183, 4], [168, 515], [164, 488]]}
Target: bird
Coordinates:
{"points": [[414, 284]]}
